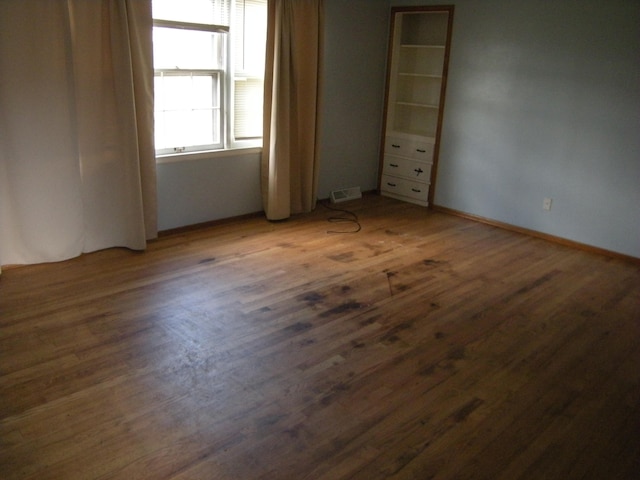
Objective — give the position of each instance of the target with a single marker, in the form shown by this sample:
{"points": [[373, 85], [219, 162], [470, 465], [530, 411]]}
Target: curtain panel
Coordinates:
{"points": [[292, 94], [77, 162]]}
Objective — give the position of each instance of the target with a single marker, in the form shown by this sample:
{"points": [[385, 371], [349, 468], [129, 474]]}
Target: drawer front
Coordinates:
{"points": [[413, 148], [405, 188], [398, 146], [404, 167], [422, 151]]}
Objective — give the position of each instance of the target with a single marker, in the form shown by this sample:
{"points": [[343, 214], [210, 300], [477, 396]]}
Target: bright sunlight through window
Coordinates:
{"points": [[209, 74]]}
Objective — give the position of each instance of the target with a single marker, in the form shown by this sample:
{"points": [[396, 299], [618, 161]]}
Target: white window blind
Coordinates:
{"points": [[249, 48], [211, 12]]}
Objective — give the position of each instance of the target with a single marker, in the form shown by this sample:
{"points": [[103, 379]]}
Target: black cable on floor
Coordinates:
{"points": [[348, 217]]}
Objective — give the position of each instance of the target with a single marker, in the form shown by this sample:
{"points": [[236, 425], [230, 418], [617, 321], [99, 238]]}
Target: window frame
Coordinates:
{"points": [[227, 76], [197, 73], [222, 75]]}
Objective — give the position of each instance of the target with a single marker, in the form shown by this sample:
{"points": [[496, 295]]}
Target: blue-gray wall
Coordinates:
{"points": [[543, 101], [356, 33], [206, 189]]}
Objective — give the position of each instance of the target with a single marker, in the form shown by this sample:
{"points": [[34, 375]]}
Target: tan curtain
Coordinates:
{"points": [[77, 164], [292, 95]]}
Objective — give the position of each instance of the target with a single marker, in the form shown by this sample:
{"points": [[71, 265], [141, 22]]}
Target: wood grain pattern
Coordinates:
{"points": [[424, 346]]}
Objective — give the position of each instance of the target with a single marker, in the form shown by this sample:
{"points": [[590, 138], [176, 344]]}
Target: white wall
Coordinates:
{"points": [[543, 100]]}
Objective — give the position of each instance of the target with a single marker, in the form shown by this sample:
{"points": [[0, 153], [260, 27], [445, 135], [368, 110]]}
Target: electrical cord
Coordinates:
{"points": [[348, 217]]}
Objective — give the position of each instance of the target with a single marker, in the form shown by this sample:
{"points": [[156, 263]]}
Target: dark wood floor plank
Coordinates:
{"points": [[423, 346]]}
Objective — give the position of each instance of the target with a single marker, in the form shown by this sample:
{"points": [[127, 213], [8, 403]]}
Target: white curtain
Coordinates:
{"points": [[77, 166], [291, 114]]}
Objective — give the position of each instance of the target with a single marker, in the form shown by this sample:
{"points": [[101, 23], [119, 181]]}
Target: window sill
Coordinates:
{"points": [[206, 155]]}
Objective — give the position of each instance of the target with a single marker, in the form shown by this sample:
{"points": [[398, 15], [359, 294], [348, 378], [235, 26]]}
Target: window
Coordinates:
{"points": [[209, 68]]}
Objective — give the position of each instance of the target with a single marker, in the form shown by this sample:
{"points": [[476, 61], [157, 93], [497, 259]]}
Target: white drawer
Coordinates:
{"points": [[409, 147], [404, 167], [405, 188]]}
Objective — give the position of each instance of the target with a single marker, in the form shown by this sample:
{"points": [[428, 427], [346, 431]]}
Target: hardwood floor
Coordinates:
{"points": [[423, 346]]}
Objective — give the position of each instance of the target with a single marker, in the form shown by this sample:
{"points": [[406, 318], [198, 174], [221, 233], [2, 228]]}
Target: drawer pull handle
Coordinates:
{"points": [[418, 171], [420, 150], [394, 165], [395, 145], [417, 190], [391, 184]]}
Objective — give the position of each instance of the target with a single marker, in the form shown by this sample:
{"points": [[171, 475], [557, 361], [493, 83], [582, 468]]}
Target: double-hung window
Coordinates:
{"points": [[209, 69]]}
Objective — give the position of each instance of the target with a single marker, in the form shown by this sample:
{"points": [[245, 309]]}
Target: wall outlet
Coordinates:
{"points": [[546, 204]]}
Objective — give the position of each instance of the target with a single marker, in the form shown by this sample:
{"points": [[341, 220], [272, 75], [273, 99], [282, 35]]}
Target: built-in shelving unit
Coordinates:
{"points": [[416, 83]]}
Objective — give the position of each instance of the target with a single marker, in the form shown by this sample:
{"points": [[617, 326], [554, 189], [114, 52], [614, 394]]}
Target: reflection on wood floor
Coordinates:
{"points": [[423, 346]]}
